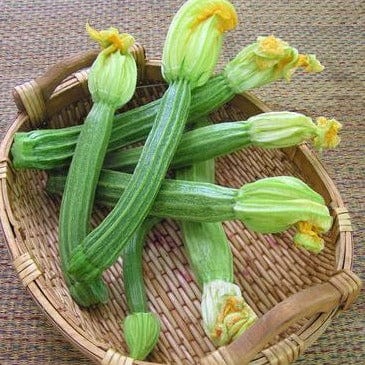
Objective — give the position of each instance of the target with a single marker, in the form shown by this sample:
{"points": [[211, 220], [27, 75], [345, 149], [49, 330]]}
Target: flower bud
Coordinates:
{"points": [[274, 204], [280, 129], [285, 129], [264, 61], [308, 238], [327, 133], [194, 40], [225, 313], [113, 75]]}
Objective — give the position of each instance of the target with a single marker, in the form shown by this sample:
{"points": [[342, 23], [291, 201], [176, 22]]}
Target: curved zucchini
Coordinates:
{"points": [[141, 327]]}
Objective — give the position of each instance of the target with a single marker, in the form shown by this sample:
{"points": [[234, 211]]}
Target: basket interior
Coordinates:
{"points": [[268, 268]]}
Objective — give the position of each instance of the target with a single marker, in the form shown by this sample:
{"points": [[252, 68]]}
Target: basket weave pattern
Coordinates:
{"points": [[268, 268]]}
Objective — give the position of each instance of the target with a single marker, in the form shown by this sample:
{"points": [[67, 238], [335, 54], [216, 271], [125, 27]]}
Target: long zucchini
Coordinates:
{"points": [[287, 200], [266, 60], [267, 130], [112, 83]]}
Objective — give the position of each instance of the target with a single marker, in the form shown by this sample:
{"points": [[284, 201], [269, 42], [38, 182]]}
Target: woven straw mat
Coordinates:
{"points": [[37, 33]]}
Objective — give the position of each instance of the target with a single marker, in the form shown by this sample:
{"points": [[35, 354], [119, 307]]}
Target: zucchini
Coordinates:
{"points": [[257, 64], [112, 83], [141, 327], [225, 313], [285, 199], [268, 130], [191, 50]]}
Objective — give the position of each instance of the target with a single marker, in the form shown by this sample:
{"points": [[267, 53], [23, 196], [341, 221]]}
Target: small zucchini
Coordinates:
{"points": [[141, 327]]}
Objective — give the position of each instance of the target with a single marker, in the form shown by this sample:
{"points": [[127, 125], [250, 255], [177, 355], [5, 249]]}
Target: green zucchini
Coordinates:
{"points": [[285, 199], [112, 83], [225, 313], [50, 148], [141, 327], [268, 130]]}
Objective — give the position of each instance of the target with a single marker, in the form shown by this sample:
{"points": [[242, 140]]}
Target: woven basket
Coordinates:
{"points": [[295, 294]]}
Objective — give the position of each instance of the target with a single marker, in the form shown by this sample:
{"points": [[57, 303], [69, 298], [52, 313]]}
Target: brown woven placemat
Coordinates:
{"points": [[35, 34]]}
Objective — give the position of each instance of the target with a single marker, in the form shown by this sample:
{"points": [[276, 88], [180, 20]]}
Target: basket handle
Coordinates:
{"points": [[48, 82], [340, 291], [32, 97]]}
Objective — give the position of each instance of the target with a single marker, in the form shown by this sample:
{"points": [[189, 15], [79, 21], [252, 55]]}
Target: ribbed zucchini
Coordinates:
{"points": [[287, 200], [268, 130], [141, 327], [225, 313], [112, 83], [264, 61], [191, 49]]}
